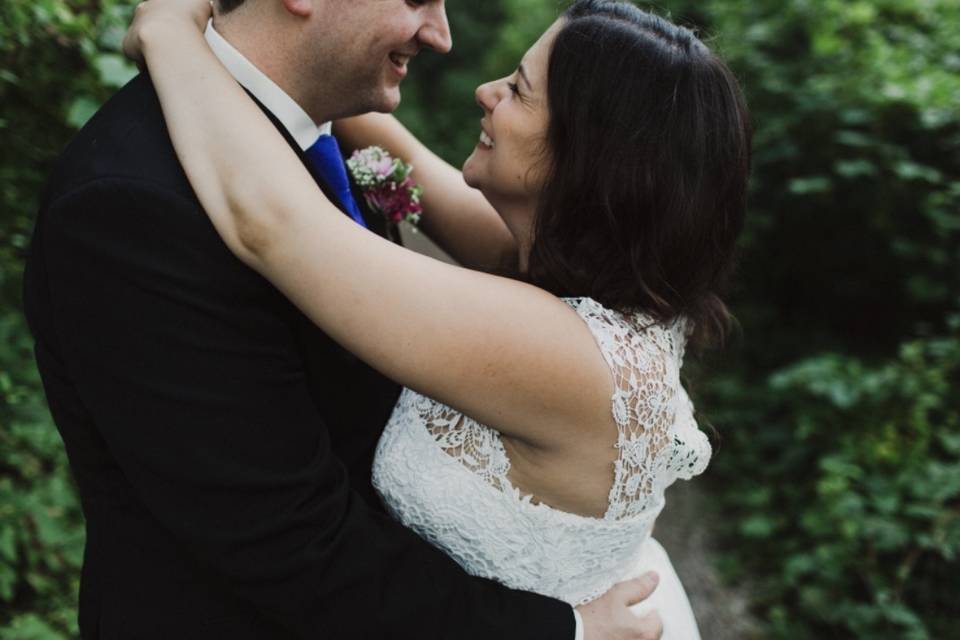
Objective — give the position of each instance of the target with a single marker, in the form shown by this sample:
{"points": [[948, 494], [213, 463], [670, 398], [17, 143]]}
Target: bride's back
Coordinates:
{"points": [[452, 479]]}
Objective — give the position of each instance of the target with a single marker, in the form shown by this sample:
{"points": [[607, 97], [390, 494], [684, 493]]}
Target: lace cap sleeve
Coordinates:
{"points": [[657, 436]]}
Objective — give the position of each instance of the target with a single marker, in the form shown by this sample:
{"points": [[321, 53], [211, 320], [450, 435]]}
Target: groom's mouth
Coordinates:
{"points": [[399, 62]]}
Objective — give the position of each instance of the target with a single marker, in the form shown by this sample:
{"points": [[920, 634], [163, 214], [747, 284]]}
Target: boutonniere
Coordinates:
{"points": [[386, 185]]}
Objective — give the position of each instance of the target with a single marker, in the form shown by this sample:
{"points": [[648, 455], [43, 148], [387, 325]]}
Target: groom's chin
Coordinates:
{"points": [[383, 102], [391, 100]]}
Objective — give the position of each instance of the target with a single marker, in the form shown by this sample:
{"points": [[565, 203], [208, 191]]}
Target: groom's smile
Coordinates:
{"points": [[373, 43], [400, 61]]}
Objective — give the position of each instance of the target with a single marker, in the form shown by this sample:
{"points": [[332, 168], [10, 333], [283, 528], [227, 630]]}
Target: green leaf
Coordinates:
{"points": [[8, 580], [855, 168], [757, 526], [811, 185], [8, 544], [81, 111], [115, 71]]}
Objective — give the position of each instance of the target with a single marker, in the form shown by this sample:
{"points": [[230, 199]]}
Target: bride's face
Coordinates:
{"points": [[509, 162]]}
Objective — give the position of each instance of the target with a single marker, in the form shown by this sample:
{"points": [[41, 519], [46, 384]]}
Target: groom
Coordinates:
{"points": [[221, 443]]}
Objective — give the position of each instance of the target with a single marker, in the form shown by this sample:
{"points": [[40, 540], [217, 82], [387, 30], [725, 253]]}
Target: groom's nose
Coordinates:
{"points": [[435, 32]]}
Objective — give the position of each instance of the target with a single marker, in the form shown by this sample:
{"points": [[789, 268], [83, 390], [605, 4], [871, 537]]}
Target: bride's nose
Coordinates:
{"points": [[488, 95]]}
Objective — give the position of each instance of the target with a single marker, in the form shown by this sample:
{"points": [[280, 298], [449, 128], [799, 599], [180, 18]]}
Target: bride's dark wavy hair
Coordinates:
{"points": [[649, 147]]}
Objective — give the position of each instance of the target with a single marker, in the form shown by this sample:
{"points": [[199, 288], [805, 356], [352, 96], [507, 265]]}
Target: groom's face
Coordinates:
{"points": [[374, 42]]}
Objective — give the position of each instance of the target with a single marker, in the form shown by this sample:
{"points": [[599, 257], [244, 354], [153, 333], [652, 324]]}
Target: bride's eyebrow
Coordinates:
{"points": [[523, 74]]}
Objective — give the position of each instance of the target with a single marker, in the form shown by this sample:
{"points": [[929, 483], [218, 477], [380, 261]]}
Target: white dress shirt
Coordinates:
{"points": [[291, 115]]}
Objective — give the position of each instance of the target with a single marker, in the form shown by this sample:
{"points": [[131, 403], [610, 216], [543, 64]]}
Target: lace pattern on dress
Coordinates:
{"points": [[475, 446], [645, 358], [445, 475]]}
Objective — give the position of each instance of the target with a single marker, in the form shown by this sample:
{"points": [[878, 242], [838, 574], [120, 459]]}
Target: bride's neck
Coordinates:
{"points": [[523, 255], [519, 219]]}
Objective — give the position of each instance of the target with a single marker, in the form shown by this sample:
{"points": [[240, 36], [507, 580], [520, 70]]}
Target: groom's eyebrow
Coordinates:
{"points": [[523, 74]]}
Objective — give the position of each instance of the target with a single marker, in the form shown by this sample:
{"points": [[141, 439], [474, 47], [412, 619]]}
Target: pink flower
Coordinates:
{"points": [[386, 184], [385, 167]]}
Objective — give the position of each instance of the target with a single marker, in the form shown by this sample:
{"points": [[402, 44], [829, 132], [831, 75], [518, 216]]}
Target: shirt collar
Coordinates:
{"points": [[291, 115]]}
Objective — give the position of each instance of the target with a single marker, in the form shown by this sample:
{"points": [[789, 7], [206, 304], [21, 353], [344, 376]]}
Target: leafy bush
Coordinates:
{"points": [[838, 476], [853, 237], [841, 492], [58, 61], [41, 534]]}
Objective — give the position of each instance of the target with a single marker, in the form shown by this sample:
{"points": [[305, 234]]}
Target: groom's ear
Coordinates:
{"points": [[299, 8]]}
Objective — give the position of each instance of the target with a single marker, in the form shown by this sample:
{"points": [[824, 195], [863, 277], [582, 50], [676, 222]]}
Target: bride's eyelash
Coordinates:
{"points": [[514, 88]]}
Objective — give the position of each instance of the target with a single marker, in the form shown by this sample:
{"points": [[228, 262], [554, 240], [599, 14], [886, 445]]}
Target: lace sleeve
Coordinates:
{"points": [[652, 411]]}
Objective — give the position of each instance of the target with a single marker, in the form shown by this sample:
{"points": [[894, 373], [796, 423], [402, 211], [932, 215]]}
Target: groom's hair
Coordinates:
{"points": [[648, 144], [226, 6]]}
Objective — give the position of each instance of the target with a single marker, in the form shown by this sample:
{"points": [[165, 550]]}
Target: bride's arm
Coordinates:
{"points": [[456, 216], [506, 353]]}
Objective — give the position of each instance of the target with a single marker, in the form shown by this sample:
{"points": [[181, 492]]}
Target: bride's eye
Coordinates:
{"points": [[514, 88]]}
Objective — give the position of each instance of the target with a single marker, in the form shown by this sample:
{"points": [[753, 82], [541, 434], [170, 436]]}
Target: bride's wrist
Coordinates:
{"points": [[166, 32]]}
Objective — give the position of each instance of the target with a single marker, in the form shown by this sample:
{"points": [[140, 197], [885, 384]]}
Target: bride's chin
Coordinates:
{"points": [[469, 174]]}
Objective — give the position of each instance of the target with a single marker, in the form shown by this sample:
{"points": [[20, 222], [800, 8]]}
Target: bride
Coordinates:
{"points": [[544, 416]]}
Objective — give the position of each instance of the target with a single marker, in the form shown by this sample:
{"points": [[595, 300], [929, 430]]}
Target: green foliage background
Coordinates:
{"points": [[838, 476]]}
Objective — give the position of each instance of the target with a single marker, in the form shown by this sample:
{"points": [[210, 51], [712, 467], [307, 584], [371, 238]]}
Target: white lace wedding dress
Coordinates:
{"points": [[447, 477]]}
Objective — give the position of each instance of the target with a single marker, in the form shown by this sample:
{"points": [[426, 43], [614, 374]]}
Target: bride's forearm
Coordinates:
{"points": [[456, 216], [221, 138]]}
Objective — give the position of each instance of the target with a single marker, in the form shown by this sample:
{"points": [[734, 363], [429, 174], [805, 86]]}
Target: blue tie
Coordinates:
{"points": [[325, 157]]}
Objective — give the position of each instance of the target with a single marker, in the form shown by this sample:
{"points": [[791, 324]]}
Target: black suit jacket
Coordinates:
{"points": [[221, 443]]}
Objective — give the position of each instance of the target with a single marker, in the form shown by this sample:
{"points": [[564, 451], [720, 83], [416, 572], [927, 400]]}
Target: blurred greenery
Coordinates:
{"points": [[838, 478]]}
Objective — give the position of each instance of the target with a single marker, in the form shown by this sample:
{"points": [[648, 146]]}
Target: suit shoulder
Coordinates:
{"points": [[126, 138]]}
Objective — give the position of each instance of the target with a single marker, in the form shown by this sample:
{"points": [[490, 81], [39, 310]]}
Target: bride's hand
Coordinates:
{"points": [[179, 14], [609, 617]]}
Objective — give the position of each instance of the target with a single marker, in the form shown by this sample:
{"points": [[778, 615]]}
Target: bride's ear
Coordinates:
{"points": [[299, 8]]}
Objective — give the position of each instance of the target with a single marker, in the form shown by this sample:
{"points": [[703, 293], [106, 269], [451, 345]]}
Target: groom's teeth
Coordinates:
{"points": [[398, 59], [485, 139]]}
